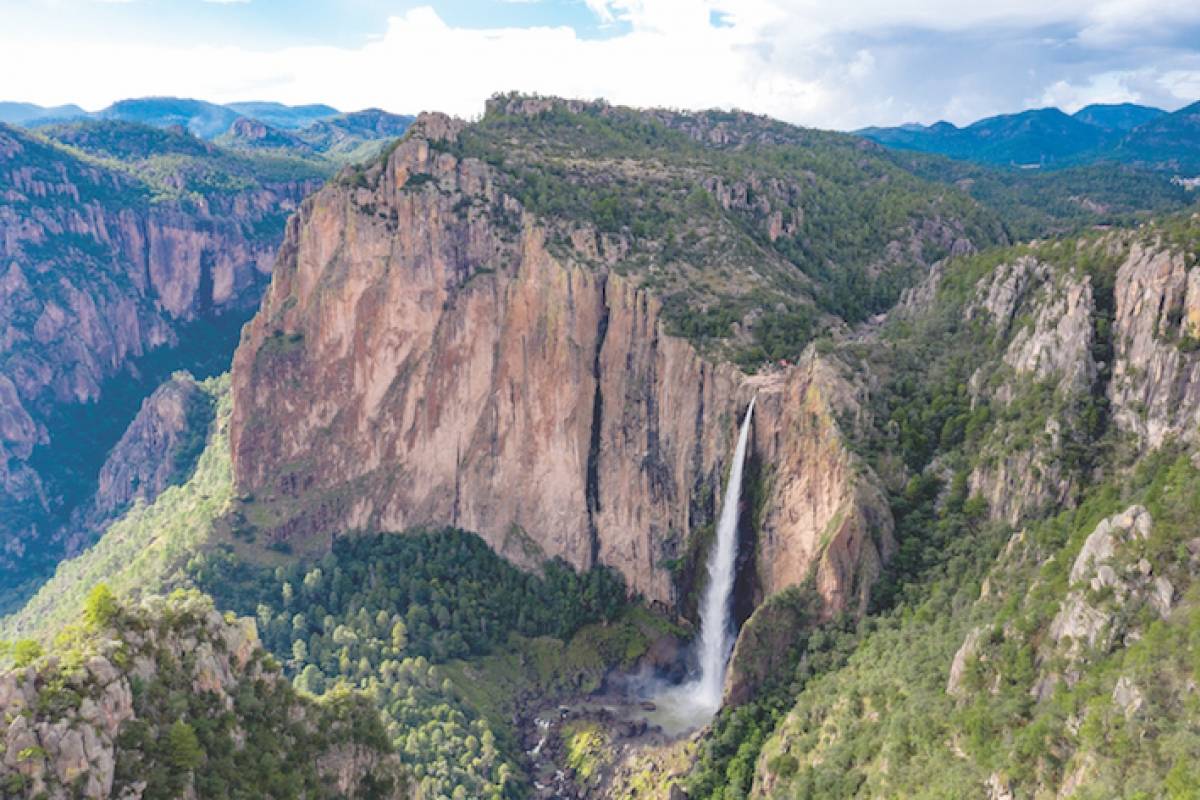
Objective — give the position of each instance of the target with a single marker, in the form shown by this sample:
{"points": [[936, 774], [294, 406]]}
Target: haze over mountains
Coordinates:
{"points": [[1045, 138], [252, 124]]}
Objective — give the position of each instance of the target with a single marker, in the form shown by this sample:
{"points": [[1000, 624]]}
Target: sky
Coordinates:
{"points": [[840, 64]]}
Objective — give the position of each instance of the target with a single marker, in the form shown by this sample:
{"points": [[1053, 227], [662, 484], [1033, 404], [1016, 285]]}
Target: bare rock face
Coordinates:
{"points": [[962, 657], [1155, 390], [157, 450], [1105, 566], [143, 464], [93, 276], [1045, 321], [425, 357]]}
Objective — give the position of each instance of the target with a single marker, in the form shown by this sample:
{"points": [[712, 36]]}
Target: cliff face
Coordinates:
{"points": [[1155, 390], [423, 356], [159, 449], [1075, 352], [94, 275], [1041, 322]]}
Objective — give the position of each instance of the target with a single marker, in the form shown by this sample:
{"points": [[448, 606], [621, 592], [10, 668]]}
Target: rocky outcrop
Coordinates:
{"points": [[1155, 390], [74, 721], [256, 135], [94, 276], [962, 658], [1107, 578], [158, 447], [1043, 319], [158, 450], [765, 643], [470, 374]]}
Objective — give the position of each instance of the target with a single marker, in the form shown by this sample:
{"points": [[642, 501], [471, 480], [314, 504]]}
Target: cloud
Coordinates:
{"points": [[1107, 87], [811, 62]]}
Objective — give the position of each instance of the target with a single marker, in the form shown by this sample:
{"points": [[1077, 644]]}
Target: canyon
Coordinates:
{"points": [[448, 355], [965, 529], [106, 289]]}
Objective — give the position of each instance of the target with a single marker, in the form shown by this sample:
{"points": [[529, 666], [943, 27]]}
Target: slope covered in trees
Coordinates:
{"points": [[427, 622], [169, 699], [1036, 633]]}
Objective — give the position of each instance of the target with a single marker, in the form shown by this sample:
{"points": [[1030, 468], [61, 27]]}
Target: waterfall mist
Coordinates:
{"points": [[693, 703]]}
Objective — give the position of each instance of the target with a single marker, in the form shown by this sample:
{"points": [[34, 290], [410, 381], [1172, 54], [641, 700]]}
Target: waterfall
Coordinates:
{"points": [[716, 639], [689, 705]]}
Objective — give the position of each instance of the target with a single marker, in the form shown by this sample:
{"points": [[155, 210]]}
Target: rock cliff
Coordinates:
{"points": [[1086, 334], [158, 449], [1155, 389], [425, 356], [96, 273]]}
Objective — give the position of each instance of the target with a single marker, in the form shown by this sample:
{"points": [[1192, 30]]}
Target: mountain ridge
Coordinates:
{"points": [[1050, 138], [968, 542]]}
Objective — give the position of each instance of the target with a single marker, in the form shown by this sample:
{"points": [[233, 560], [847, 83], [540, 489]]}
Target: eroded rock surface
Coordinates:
{"points": [[73, 720], [93, 276], [424, 356]]}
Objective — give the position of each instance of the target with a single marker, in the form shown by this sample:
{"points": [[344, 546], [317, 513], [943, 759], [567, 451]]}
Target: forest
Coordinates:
{"points": [[388, 614]]}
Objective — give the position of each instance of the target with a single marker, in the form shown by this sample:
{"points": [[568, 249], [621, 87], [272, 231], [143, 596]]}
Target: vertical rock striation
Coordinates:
{"points": [[425, 356], [94, 275]]}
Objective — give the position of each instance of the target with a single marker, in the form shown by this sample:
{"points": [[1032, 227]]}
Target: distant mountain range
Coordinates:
{"points": [[251, 125], [1050, 138]]}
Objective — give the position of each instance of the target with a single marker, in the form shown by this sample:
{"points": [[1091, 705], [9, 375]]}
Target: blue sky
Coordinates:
{"points": [[838, 65]]}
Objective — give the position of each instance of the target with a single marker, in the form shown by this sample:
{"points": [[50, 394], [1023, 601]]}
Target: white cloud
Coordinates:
{"points": [[1108, 87], [808, 61]]}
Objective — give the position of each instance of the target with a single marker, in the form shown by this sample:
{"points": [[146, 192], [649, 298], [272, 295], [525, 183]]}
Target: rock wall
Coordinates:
{"points": [[1155, 389], [425, 357], [93, 275], [1043, 321], [158, 450]]}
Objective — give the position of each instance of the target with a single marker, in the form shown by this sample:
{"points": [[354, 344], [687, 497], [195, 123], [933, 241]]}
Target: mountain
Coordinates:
{"points": [[152, 266], [341, 139], [1117, 116], [470, 456], [1172, 140], [250, 134], [1048, 138], [283, 116], [28, 113], [1041, 137], [1067, 587], [351, 137], [537, 255], [205, 120]]}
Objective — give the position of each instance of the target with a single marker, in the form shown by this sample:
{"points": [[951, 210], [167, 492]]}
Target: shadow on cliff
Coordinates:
{"points": [[82, 436]]}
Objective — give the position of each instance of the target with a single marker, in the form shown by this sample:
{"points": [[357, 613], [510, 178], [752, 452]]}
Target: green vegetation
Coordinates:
{"points": [[588, 748], [142, 551], [126, 183], [235, 732], [101, 608], [759, 237], [444, 594], [176, 165], [898, 731], [384, 613], [864, 710], [776, 236]]}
